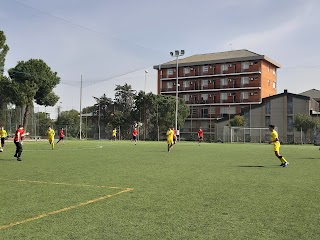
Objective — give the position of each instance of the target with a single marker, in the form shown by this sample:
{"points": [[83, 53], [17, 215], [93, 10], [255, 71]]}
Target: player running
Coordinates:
{"points": [[200, 135], [114, 134], [134, 135], [50, 135], [61, 136], [174, 136], [170, 135], [274, 139], [18, 142], [3, 135]]}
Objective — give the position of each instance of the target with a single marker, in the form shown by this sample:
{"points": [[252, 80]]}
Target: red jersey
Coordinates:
{"points": [[134, 132], [61, 133], [175, 132], [19, 132], [200, 133]]}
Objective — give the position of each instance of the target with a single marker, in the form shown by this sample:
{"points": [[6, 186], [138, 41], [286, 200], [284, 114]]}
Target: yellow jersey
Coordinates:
{"points": [[3, 133], [170, 134], [273, 136], [114, 133], [50, 133]]}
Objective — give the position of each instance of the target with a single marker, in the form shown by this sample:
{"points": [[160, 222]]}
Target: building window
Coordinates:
{"points": [[268, 109], [185, 84], [186, 97], [193, 110], [244, 95], [169, 85], [204, 112], [205, 69], [244, 81], [274, 85], [274, 71], [223, 82], [267, 120], [268, 82], [204, 97], [290, 124], [223, 96], [224, 67], [186, 70], [289, 105], [169, 72], [245, 65], [204, 83]]}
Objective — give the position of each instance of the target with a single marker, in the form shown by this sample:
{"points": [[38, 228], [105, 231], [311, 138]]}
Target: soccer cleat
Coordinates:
{"points": [[285, 164], [19, 159], [15, 155], [281, 165]]}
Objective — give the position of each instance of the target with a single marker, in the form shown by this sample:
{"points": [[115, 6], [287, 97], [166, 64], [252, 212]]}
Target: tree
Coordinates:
{"points": [[33, 80], [3, 80], [124, 104], [304, 122], [71, 120], [238, 121]]}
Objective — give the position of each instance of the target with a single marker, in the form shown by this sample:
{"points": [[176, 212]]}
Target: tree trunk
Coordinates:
{"points": [[25, 117]]}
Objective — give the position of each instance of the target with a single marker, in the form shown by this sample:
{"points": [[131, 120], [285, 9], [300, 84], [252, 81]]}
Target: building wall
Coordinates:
{"points": [[268, 76]]}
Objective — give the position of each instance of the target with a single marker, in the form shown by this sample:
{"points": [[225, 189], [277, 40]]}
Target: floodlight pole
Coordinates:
{"points": [[80, 129], [144, 104], [177, 54]]}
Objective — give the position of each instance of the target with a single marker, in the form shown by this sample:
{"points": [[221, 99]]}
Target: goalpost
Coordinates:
{"points": [[246, 134]]}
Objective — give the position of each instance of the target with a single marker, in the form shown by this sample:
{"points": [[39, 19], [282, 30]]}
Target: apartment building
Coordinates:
{"points": [[218, 85]]}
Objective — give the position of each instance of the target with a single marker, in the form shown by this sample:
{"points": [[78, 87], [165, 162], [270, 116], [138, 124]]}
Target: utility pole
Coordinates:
{"points": [[80, 130]]}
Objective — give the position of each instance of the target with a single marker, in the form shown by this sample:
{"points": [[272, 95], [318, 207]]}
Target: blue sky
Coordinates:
{"points": [[113, 42]]}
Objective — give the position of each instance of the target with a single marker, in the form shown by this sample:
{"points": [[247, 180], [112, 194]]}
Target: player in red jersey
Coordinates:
{"points": [[134, 135], [18, 142], [174, 136], [200, 135], [61, 136]]}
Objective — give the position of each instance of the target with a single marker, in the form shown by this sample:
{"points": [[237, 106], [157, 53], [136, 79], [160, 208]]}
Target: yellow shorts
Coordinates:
{"points": [[276, 146], [170, 141], [51, 139]]}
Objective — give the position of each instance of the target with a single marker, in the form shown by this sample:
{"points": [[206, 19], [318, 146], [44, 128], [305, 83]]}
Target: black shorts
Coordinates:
{"points": [[200, 138], [61, 138], [2, 141], [174, 139], [134, 137]]}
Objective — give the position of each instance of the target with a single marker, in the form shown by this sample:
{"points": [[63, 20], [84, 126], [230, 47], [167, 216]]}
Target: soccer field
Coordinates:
{"points": [[116, 190]]}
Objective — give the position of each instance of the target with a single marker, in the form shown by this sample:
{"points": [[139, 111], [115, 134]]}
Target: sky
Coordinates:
{"points": [[111, 43]]}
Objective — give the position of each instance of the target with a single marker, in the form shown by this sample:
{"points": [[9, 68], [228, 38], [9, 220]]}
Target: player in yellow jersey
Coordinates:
{"points": [[170, 135], [50, 135], [274, 139], [114, 134], [3, 136]]}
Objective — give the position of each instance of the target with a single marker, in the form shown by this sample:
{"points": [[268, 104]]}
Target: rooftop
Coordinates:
{"points": [[219, 57]]}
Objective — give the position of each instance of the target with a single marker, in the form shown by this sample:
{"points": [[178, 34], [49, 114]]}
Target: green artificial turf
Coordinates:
{"points": [[212, 191]]}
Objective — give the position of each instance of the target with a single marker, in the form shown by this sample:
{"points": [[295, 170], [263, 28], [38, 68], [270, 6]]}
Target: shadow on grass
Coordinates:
{"points": [[250, 166]]}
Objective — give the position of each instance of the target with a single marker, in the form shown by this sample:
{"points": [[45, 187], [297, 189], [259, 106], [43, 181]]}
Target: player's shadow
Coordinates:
{"points": [[311, 158], [250, 166]]}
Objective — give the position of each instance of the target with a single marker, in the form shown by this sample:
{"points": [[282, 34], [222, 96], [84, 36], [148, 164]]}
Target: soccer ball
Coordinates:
{"points": [[1, 150]]}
